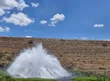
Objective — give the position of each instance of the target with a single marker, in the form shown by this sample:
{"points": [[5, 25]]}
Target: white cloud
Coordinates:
{"points": [[21, 5], [20, 19], [6, 29], [10, 4], [57, 18], [43, 22], [2, 12], [84, 38], [28, 36], [99, 25], [35, 5]]}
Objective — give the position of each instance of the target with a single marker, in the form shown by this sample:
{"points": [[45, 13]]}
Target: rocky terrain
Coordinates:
{"points": [[82, 55]]}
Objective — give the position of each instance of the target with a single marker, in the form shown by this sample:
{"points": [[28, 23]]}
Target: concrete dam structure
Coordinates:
{"points": [[81, 55]]}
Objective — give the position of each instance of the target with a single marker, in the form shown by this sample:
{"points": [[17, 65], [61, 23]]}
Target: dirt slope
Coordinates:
{"points": [[83, 55]]}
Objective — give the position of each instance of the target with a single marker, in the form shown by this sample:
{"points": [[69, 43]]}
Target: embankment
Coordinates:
{"points": [[82, 55]]}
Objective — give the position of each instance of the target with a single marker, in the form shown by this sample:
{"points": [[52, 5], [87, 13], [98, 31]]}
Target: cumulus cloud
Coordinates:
{"points": [[43, 22], [2, 12], [19, 19], [6, 29], [21, 5], [35, 5], [57, 18], [98, 25], [28, 36], [10, 4]]}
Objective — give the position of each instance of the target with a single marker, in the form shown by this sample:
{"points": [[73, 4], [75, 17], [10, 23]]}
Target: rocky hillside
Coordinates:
{"points": [[83, 55]]}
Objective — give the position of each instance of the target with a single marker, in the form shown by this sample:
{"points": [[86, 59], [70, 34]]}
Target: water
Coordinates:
{"points": [[37, 63]]}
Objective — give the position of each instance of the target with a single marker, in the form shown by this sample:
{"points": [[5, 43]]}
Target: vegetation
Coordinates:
{"points": [[92, 78], [89, 76], [6, 77], [33, 79], [84, 77]]}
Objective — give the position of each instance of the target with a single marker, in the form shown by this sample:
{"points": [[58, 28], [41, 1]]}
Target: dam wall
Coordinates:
{"points": [[83, 55]]}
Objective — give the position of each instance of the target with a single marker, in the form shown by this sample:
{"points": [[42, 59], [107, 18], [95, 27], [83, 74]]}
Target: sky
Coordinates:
{"points": [[66, 19]]}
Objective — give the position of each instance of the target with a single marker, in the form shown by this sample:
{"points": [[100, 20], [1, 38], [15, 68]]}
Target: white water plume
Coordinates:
{"points": [[37, 63]]}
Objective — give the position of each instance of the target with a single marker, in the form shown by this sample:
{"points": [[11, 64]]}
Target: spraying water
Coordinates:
{"points": [[37, 63]]}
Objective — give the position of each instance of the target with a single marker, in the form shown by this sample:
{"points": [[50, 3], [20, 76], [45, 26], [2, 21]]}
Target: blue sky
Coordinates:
{"points": [[68, 19]]}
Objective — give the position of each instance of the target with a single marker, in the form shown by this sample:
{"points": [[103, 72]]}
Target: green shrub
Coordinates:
{"points": [[6, 77], [91, 79], [2, 73], [85, 79], [33, 79]]}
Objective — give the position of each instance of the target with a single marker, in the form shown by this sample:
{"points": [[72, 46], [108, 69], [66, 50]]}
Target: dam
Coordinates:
{"points": [[82, 55]]}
